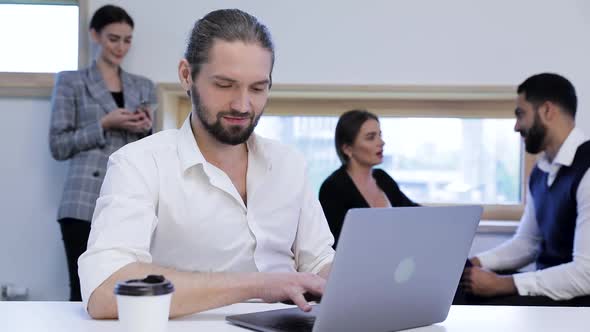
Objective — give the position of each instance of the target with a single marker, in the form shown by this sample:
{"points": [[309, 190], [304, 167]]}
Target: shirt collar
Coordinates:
{"points": [[188, 150], [190, 155], [567, 151], [257, 150]]}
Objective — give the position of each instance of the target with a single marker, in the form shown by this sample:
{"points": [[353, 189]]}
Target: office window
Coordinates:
{"points": [[38, 36], [434, 160], [444, 144]]}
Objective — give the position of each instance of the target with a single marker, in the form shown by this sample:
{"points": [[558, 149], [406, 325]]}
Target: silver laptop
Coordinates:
{"points": [[395, 268]]}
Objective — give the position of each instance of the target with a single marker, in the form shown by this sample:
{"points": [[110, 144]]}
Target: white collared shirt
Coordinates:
{"points": [[161, 202], [560, 282]]}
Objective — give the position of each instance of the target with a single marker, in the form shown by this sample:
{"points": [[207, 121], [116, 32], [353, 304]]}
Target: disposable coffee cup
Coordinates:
{"points": [[144, 304]]}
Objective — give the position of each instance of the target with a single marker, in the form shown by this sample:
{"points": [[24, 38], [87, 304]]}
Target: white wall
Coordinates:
{"points": [[31, 251], [388, 42], [370, 42]]}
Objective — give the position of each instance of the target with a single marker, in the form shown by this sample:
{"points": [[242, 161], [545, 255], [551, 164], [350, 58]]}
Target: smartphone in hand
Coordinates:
{"points": [[147, 107]]}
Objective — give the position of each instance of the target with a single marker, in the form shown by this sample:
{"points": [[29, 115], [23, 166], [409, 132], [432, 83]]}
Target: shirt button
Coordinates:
{"points": [[96, 174]]}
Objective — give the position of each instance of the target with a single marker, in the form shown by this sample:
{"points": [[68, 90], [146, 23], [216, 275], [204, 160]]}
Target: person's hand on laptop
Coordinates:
{"points": [[308, 297], [295, 287], [482, 282], [475, 261]]}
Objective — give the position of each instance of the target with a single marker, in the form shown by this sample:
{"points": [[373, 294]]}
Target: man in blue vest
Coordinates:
{"points": [[554, 231]]}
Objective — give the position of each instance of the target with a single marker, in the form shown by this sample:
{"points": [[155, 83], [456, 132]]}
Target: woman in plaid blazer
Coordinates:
{"points": [[95, 111]]}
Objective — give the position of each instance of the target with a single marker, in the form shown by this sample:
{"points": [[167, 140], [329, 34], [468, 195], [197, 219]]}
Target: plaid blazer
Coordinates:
{"points": [[80, 99]]}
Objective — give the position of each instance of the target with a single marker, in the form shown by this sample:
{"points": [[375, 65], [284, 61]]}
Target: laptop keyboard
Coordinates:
{"points": [[294, 324], [280, 320]]}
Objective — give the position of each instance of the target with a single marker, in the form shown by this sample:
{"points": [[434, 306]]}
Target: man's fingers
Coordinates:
{"points": [[316, 286], [465, 286], [466, 276], [301, 302]]}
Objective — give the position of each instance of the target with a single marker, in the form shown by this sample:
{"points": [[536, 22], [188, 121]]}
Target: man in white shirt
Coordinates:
{"points": [[554, 231], [224, 214]]}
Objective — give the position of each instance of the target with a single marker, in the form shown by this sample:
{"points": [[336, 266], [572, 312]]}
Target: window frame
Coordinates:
{"points": [[18, 84], [398, 101]]}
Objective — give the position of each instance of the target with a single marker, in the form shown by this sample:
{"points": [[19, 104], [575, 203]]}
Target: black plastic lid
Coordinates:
{"points": [[149, 286]]}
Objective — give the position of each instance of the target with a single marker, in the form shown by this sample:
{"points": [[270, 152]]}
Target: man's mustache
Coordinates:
{"points": [[235, 114]]}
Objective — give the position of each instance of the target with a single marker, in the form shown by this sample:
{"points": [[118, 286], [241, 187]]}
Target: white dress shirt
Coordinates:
{"points": [[161, 202], [563, 281]]}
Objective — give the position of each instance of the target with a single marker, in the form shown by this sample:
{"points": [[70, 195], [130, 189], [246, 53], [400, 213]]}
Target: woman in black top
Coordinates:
{"points": [[356, 184]]}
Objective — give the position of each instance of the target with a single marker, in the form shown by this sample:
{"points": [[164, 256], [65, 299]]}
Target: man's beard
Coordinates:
{"points": [[534, 137], [232, 135]]}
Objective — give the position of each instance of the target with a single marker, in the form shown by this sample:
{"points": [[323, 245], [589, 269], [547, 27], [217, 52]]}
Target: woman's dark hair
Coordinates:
{"points": [[108, 14], [347, 129]]}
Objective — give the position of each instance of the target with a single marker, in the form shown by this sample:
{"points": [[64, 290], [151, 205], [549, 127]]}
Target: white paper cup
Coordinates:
{"points": [[144, 304]]}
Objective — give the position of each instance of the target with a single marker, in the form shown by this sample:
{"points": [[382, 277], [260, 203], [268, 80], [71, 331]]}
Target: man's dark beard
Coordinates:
{"points": [[534, 137], [233, 135]]}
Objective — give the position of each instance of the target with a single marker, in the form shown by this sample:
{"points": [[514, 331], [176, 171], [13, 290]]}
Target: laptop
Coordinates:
{"points": [[395, 268]]}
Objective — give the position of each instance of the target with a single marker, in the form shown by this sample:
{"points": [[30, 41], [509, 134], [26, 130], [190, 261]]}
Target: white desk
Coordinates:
{"points": [[66, 316]]}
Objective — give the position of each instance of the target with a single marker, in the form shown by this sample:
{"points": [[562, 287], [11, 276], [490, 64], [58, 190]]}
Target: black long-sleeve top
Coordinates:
{"points": [[338, 194]]}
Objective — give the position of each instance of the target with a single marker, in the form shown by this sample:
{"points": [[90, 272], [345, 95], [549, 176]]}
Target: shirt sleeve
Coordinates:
{"points": [[123, 222], [66, 138], [313, 243], [521, 249], [572, 279]]}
